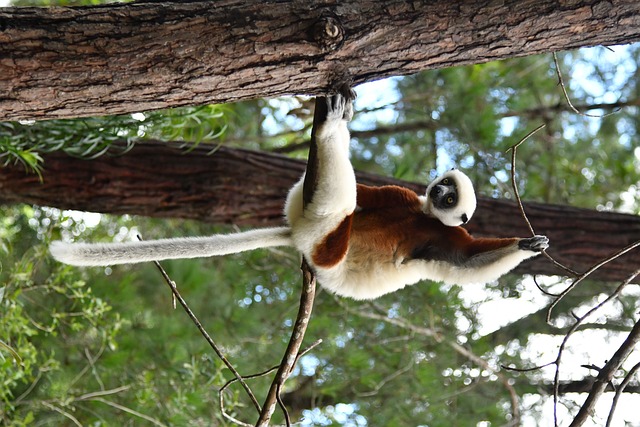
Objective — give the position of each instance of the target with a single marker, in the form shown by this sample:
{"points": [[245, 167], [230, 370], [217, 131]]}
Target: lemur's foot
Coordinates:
{"points": [[340, 105], [534, 244]]}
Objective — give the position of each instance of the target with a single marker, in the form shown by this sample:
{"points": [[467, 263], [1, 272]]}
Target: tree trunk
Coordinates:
{"points": [[121, 58], [248, 188]]}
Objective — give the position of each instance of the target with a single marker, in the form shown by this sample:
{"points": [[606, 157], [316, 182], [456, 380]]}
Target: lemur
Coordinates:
{"points": [[362, 242]]}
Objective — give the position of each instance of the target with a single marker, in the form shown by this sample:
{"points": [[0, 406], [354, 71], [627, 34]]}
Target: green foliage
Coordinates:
{"points": [[39, 336], [105, 347], [25, 142], [470, 116]]}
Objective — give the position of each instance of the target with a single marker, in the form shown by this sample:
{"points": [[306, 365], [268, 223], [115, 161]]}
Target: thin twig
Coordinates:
{"points": [[606, 374], [61, 412], [93, 395], [544, 291], [535, 368], [91, 361], [29, 389], [231, 381], [586, 274], [387, 379], [129, 411], [204, 333], [516, 193], [566, 94], [287, 418], [514, 184], [258, 375], [579, 321], [620, 390]]}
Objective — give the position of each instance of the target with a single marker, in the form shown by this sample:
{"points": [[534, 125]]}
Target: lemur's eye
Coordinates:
{"points": [[449, 200], [445, 181]]}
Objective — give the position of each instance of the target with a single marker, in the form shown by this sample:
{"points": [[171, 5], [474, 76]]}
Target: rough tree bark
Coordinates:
{"points": [[248, 188], [120, 58]]}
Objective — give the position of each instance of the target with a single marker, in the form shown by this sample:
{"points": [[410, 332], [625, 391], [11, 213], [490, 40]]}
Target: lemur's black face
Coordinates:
{"points": [[444, 195], [451, 198]]}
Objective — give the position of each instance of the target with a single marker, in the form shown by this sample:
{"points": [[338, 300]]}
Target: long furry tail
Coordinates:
{"points": [[103, 254]]}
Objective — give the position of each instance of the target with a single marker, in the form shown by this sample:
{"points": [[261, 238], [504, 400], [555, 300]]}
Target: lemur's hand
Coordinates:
{"points": [[340, 105], [534, 244]]}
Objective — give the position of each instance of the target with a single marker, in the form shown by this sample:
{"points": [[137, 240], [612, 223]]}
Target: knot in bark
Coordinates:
{"points": [[328, 33]]}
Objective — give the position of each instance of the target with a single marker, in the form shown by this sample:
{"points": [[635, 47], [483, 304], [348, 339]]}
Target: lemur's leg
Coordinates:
{"points": [[335, 189], [333, 200]]}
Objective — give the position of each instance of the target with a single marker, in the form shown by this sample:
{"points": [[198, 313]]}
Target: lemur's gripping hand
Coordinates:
{"points": [[340, 105], [534, 244]]}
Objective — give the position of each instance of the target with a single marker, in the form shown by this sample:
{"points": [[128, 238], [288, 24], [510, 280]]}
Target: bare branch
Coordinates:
{"points": [[207, 337], [566, 95], [128, 411], [514, 184], [308, 285], [606, 375], [519, 200], [590, 271], [598, 387], [597, 390], [620, 390], [62, 412]]}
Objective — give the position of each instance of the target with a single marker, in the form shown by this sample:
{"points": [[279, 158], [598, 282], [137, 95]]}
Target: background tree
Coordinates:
{"points": [[103, 346]]}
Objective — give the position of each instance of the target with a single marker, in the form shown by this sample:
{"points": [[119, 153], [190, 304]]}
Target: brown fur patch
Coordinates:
{"points": [[388, 196], [333, 248]]}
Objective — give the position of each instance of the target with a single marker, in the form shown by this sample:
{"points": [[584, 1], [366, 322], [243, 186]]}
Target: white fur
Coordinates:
{"points": [[335, 195], [103, 254], [371, 280]]}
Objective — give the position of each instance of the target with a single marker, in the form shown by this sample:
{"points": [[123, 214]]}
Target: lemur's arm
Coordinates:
{"points": [[461, 249], [478, 260]]}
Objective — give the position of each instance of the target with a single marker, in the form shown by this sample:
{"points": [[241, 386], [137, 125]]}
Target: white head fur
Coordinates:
{"points": [[451, 198]]}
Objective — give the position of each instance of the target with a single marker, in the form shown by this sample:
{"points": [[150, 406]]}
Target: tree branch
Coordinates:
{"points": [[308, 285], [176, 295], [248, 188], [606, 375], [121, 58]]}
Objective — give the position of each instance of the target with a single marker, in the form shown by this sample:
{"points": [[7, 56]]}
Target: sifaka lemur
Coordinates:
{"points": [[361, 241]]}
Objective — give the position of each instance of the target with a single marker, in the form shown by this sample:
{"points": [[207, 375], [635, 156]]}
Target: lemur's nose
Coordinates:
{"points": [[440, 190]]}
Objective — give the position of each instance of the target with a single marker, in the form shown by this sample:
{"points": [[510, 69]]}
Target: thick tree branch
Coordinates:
{"points": [[249, 187], [119, 58]]}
